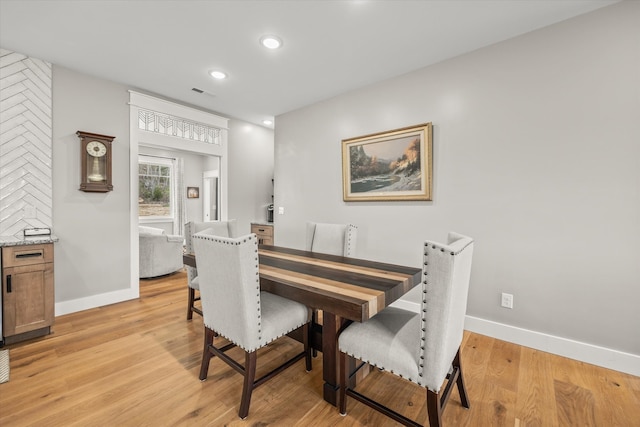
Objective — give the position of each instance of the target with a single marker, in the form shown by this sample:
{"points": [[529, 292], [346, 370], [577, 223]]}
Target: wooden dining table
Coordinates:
{"points": [[345, 289]]}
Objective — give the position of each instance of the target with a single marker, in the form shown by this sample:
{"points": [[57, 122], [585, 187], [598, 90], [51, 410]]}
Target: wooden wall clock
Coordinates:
{"points": [[95, 161]]}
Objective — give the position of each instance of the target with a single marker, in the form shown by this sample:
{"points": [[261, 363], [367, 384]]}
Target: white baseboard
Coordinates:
{"points": [[93, 301], [589, 353]]}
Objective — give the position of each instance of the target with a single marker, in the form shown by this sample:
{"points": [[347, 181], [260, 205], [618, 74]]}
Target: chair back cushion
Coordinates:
{"points": [[218, 228], [445, 286], [230, 286], [332, 239]]}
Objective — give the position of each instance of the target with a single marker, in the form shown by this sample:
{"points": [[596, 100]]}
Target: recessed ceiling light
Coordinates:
{"points": [[218, 74], [267, 122], [271, 42]]}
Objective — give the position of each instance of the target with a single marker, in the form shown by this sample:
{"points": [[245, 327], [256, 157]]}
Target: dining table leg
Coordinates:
{"points": [[330, 326]]}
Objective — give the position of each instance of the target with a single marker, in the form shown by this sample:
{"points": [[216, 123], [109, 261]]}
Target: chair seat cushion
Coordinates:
{"points": [[389, 340], [195, 283], [280, 316]]}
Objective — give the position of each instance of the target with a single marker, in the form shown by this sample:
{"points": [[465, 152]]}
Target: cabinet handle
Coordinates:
{"points": [[260, 229], [31, 255], [8, 283]]}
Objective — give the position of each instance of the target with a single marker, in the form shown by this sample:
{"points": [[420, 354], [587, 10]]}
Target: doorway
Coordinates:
{"points": [[211, 195]]}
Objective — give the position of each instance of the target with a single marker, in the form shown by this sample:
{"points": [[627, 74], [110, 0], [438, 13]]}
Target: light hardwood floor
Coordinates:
{"points": [[136, 363]]}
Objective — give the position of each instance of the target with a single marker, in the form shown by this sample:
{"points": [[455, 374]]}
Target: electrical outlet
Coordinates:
{"points": [[507, 300], [280, 210]]}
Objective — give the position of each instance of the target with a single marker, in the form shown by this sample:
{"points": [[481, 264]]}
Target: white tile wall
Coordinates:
{"points": [[25, 143]]}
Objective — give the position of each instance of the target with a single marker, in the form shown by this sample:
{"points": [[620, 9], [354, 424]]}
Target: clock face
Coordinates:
{"points": [[96, 149]]}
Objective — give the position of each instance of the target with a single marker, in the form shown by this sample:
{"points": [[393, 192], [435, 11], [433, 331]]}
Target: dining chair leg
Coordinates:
{"points": [[344, 381], [249, 379], [462, 390], [192, 296], [314, 320], [206, 353], [434, 409], [306, 340]]}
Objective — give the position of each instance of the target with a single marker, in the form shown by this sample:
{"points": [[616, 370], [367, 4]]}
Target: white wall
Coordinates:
{"points": [[536, 156], [92, 256], [92, 259], [250, 188]]}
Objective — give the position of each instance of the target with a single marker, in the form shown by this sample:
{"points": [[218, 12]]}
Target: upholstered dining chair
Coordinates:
{"points": [[333, 239], [233, 307], [218, 228], [424, 347]]}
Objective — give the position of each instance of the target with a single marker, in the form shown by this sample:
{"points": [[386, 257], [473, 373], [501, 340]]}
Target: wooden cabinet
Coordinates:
{"points": [[264, 233], [27, 291]]}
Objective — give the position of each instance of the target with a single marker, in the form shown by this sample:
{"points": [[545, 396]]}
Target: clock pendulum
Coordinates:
{"points": [[96, 176]]}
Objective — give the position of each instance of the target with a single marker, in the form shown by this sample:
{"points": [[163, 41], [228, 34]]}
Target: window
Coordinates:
{"points": [[156, 188]]}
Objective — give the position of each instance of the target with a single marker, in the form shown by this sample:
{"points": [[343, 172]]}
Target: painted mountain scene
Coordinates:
{"points": [[392, 165]]}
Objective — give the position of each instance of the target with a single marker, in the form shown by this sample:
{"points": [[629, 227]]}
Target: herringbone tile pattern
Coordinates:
{"points": [[25, 143]]}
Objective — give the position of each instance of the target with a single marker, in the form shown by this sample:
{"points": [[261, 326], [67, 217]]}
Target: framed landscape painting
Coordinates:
{"points": [[392, 165]]}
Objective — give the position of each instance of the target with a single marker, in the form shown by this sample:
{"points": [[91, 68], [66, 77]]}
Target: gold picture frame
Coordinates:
{"points": [[392, 165]]}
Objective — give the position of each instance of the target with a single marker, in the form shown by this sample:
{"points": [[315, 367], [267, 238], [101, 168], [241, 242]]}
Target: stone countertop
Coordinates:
{"points": [[22, 241]]}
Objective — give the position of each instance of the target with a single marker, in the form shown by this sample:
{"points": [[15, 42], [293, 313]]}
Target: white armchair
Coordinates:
{"points": [[159, 253]]}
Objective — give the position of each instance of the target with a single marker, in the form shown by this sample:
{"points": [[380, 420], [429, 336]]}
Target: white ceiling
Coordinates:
{"points": [[330, 47]]}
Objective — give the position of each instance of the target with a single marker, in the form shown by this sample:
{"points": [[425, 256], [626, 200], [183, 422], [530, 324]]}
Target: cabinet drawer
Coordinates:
{"points": [[262, 230], [16, 256], [265, 240]]}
